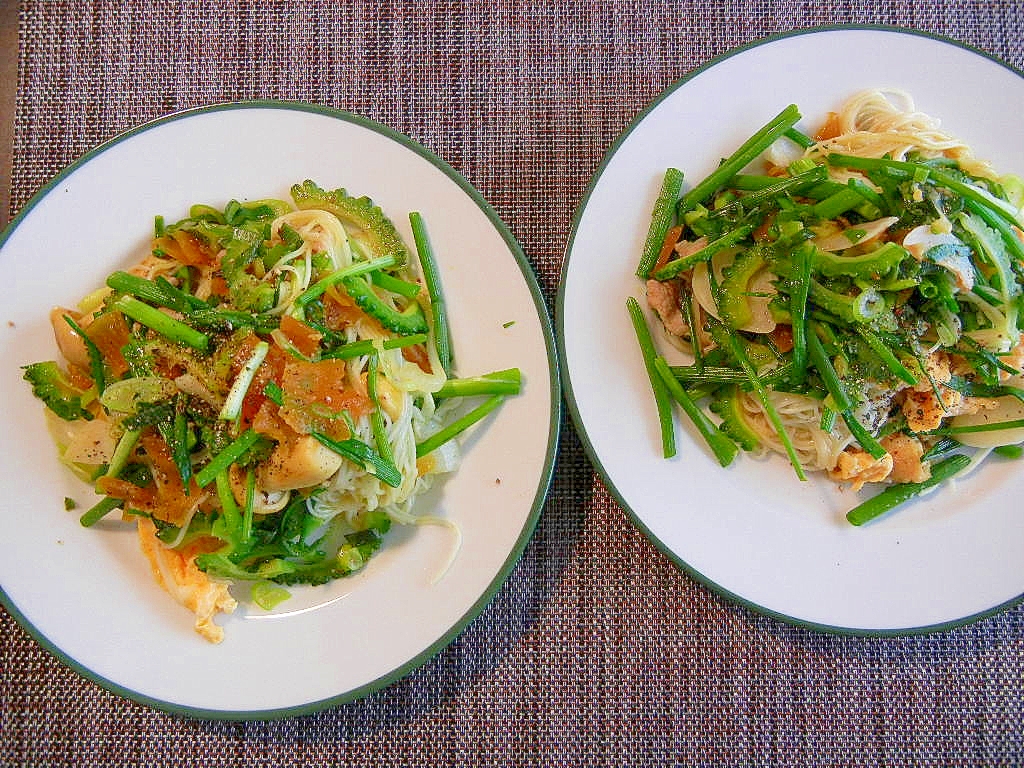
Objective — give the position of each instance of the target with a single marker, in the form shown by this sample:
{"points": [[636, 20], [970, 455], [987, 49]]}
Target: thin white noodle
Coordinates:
{"points": [[801, 417], [879, 122], [456, 547]]}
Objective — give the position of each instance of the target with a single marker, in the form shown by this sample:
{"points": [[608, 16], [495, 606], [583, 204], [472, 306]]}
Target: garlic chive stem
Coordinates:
{"points": [[438, 314]]}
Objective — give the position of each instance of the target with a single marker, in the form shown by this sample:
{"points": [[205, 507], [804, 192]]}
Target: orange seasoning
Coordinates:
{"points": [[667, 247], [305, 339], [316, 394], [185, 248], [109, 332], [831, 128], [166, 498], [417, 353], [782, 337]]}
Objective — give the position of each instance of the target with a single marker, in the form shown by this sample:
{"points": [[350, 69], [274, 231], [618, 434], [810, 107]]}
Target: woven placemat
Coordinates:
{"points": [[598, 650]]}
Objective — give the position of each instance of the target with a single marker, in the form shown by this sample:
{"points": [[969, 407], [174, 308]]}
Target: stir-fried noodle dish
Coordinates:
{"points": [[852, 301], [263, 395]]}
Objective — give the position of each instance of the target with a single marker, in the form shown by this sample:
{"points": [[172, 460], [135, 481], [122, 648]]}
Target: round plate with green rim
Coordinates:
{"points": [[87, 595], [753, 531]]}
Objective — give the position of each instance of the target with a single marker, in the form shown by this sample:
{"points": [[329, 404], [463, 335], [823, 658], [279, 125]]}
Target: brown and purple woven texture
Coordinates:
{"points": [[598, 650]]}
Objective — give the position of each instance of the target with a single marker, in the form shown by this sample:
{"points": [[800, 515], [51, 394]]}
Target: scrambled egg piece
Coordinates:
{"points": [[906, 452], [925, 412], [921, 406], [177, 573], [857, 467], [901, 463]]}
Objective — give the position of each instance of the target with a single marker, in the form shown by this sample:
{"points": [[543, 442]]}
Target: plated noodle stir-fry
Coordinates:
{"points": [[855, 305], [263, 395]]}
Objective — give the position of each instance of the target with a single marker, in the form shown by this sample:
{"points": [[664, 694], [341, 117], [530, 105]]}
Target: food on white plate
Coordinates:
{"points": [[853, 302], [263, 394]]}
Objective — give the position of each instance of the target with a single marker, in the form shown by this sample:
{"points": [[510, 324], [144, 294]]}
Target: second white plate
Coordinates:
{"points": [[753, 531]]}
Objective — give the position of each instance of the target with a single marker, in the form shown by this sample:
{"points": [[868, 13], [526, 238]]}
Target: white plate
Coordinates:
{"points": [[753, 531], [87, 594]]}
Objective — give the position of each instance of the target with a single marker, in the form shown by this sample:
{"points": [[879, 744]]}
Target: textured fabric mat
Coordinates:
{"points": [[598, 650]]}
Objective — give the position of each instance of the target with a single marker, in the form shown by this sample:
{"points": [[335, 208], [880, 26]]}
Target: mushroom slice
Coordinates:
{"points": [[921, 239], [944, 249], [856, 234]]}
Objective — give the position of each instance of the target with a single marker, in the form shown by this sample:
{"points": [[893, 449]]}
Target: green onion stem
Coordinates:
{"points": [[141, 288], [360, 453], [729, 239], [741, 158], [841, 398], [396, 285], [690, 315], [886, 355], [873, 448], [228, 505], [380, 435], [995, 426], [751, 182], [799, 138], [250, 504], [661, 220], [940, 177], [867, 192], [352, 270], [979, 349], [1009, 451], [720, 374], [179, 445], [458, 426], [122, 452], [95, 356], [942, 447], [661, 394], [769, 193], [432, 280], [229, 319], [99, 510], [506, 382], [736, 348], [226, 457], [895, 495], [724, 449], [828, 419], [166, 326], [159, 292], [839, 203], [798, 309], [367, 347]]}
